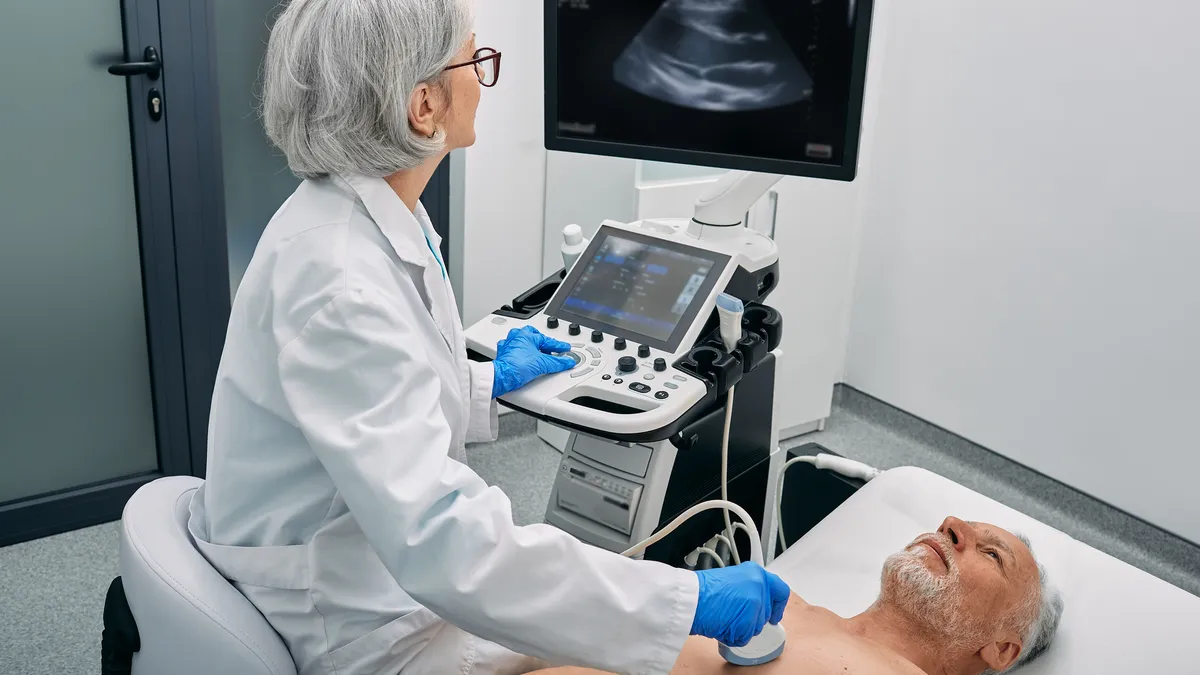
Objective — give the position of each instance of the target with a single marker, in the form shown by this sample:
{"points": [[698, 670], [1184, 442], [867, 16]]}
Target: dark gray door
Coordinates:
{"points": [[256, 179], [92, 399], [129, 205]]}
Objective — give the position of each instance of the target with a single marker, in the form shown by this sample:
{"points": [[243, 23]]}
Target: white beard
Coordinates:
{"points": [[937, 602]]}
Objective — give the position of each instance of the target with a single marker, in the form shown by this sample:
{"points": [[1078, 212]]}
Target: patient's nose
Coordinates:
{"points": [[957, 531]]}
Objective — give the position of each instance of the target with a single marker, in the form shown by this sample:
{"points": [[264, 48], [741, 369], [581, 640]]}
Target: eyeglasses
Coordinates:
{"points": [[487, 66]]}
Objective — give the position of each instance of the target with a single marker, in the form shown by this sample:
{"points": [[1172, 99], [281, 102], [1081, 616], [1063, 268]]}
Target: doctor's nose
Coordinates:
{"points": [[957, 531]]}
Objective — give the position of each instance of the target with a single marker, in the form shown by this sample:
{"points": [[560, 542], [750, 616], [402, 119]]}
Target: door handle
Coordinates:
{"points": [[151, 67]]}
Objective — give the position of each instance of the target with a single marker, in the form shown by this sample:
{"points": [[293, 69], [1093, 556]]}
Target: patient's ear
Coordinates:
{"points": [[999, 656]]}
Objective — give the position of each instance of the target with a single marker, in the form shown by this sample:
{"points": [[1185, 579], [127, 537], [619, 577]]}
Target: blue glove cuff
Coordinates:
{"points": [[499, 379], [697, 628]]}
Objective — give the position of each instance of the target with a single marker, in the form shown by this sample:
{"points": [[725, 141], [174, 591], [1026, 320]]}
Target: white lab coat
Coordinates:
{"points": [[337, 496]]}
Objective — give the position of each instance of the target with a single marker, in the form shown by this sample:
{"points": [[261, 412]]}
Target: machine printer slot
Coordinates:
{"points": [[632, 460]]}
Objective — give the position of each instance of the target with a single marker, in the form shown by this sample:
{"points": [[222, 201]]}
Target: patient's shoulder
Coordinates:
{"points": [[820, 642], [800, 611]]}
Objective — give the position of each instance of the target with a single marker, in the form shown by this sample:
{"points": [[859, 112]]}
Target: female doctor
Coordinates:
{"points": [[337, 496]]}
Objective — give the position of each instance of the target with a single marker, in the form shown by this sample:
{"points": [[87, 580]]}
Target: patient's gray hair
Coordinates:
{"points": [[1041, 615], [339, 76]]}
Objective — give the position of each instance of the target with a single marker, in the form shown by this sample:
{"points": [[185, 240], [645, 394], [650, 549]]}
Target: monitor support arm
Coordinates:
{"points": [[726, 203], [720, 212]]}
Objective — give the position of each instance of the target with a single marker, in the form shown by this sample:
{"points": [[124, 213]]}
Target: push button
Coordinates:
{"points": [[594, 352], [581, 373], [661, 395], [639, 387], [670, 385]]}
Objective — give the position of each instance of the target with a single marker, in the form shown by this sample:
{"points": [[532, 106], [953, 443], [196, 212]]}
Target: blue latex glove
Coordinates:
{"points": [[736, 602], [524, 356]]}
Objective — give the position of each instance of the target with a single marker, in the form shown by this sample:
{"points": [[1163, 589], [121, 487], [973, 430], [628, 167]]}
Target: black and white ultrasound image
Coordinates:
{"points": [[759, 78]]}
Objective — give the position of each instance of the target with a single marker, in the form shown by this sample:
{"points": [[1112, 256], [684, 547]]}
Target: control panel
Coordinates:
{"points": [[617, 385], [632, 308]]}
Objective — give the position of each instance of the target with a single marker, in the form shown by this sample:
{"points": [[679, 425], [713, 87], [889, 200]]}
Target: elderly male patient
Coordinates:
{"points": [[965, 600]]}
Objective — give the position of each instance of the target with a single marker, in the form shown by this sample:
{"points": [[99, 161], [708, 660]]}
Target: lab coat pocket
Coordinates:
{"points": [[389, 648]]}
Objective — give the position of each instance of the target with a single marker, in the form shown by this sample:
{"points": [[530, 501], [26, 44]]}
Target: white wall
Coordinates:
{"points": [[504, 173], [1030, 268], [584, 190]]}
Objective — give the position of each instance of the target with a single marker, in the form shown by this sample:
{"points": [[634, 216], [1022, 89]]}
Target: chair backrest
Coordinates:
{"points": [[190, 619]]}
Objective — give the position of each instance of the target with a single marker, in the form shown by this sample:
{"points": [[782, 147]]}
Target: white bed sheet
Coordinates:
{"points": [[1118, 619]]}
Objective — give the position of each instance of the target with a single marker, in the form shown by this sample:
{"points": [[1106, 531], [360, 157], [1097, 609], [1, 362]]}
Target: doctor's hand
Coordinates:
{"points": [[736, 602], [524, 356]]}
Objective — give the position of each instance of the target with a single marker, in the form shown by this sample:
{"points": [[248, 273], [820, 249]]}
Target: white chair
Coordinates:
{"points": [[190, 620]]}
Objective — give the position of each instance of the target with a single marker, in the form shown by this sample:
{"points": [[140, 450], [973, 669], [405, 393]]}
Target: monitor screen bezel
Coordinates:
{"points": [[846, 171], [671, 344]]}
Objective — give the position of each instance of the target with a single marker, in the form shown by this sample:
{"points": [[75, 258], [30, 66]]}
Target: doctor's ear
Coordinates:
{"points": [[426, 108], [999, 656]]}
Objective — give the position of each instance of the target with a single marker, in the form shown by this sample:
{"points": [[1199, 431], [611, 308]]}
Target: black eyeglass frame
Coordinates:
{"points": [[480, 57]]}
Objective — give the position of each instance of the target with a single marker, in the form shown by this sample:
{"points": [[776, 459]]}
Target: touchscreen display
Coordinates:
{"points": [[638, 286]]}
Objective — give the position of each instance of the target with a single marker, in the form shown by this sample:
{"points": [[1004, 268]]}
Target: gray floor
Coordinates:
{"points": [[52, 590]]}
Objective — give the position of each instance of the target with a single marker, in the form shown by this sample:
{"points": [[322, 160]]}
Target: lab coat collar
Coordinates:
{"points": [[413, 239], [405, 231]]}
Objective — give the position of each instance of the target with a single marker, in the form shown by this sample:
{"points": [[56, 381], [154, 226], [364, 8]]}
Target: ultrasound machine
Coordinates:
{"points": [[764, 88]]}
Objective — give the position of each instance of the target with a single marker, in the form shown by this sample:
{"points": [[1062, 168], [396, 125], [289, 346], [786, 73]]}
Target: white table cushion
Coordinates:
{"points": [[1118, 619]]}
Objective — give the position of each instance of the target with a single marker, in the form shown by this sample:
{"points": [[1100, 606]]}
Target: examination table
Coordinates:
{"points": [[181, 618], [1118, 619]]}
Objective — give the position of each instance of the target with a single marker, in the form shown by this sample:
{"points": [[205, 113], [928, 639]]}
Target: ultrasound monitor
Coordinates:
{"points": [[772, 86]]}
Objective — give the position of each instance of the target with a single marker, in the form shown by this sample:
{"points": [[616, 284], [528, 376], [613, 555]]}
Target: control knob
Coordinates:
{"points": [[597, 336], [626, 364], [644, 351], [660, 364], [619, 344], [552, 322], [573, 329]]}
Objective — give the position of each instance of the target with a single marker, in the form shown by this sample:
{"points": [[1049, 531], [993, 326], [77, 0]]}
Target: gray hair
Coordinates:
{"points": [[1041, 616], [339, 76]]}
